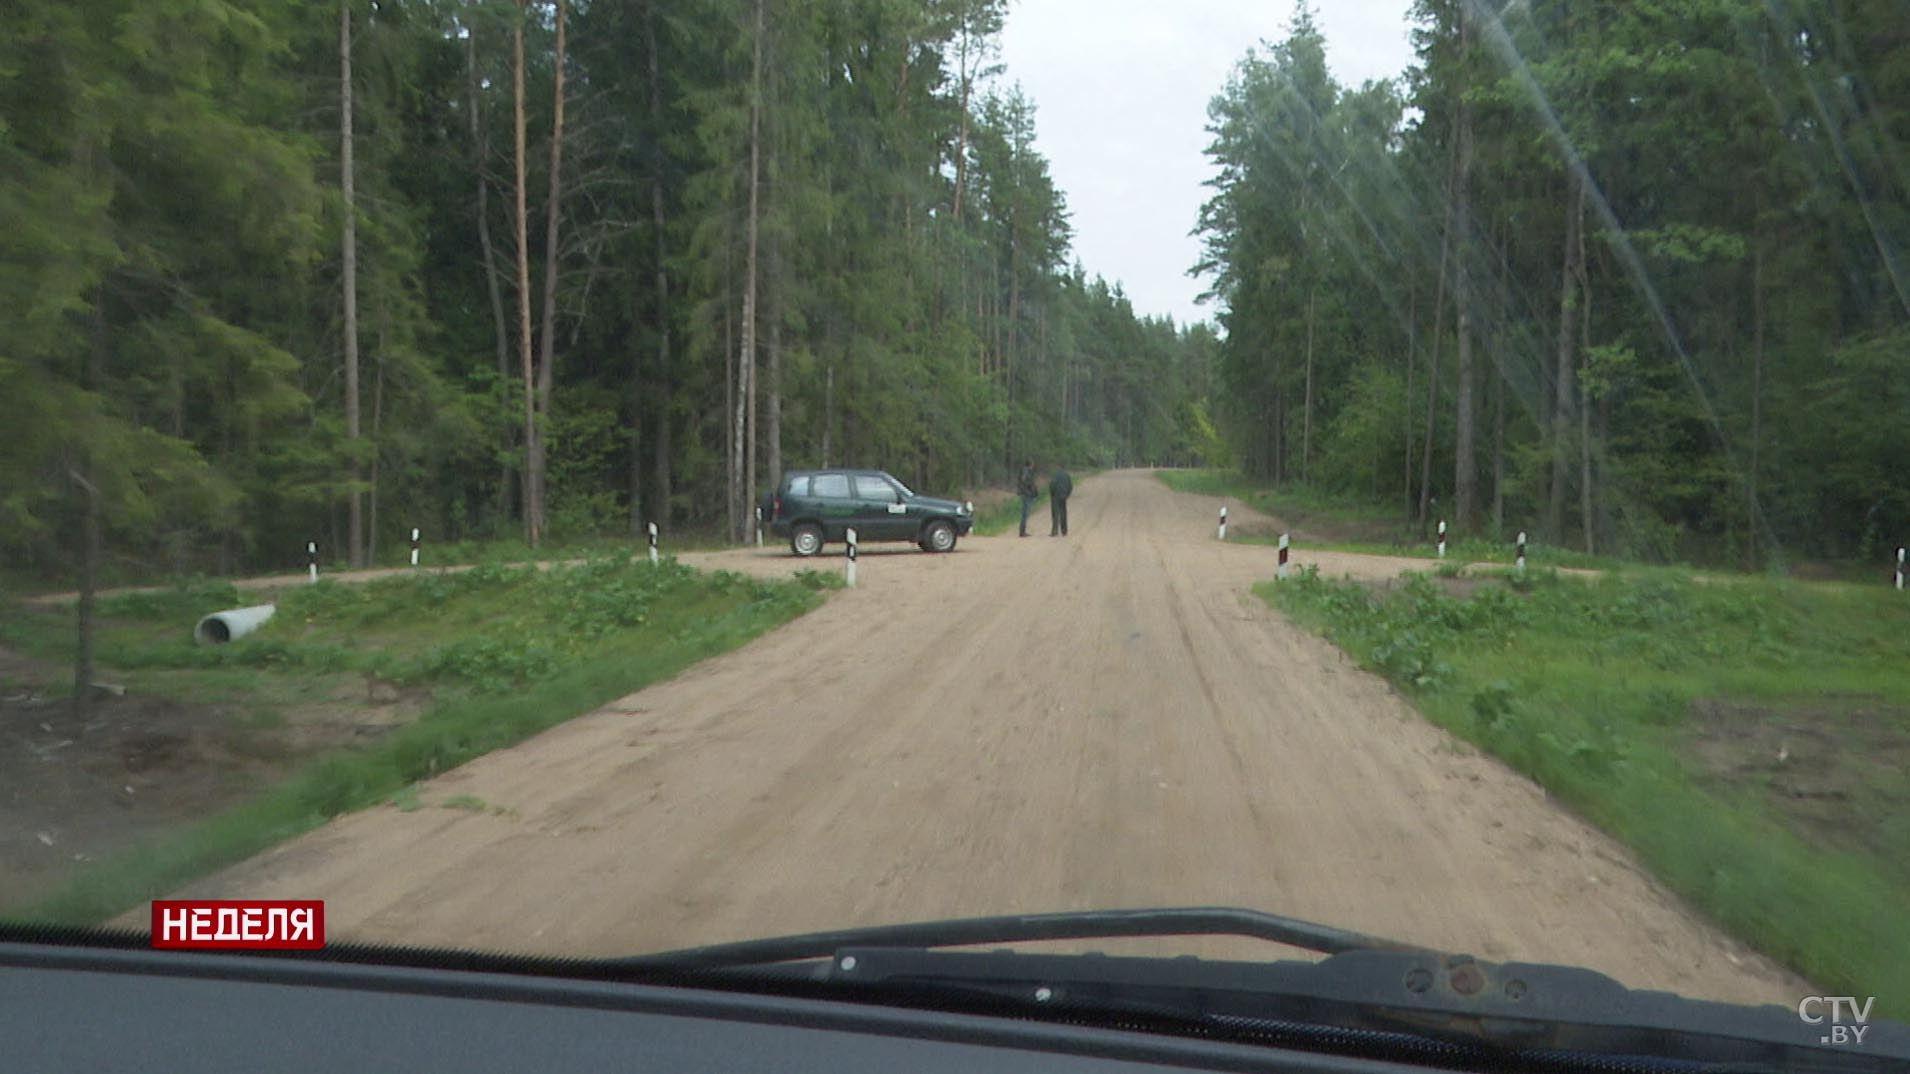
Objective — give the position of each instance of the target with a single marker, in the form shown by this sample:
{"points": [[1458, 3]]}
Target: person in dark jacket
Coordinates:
{"points": [[1025, 488], [1060, 487]]}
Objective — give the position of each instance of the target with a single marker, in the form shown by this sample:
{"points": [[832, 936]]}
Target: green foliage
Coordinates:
{"points": [[185, 602], [913, 280], [1737, 327], [708, 616], [1584, 686]]}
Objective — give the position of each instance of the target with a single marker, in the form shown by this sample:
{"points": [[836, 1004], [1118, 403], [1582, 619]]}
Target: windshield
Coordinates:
{"points": [[1432, 468]]}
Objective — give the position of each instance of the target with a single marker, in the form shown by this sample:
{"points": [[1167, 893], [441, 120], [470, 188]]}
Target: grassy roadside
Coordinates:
{"points": [[118, 574], [1358, 525], [1751, 742], [505, 652], [1293, 502], [1004, 516]]}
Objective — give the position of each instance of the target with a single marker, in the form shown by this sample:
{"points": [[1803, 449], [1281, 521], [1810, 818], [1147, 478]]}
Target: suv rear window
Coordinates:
{"points": [[870, 487], [798, 486], [831, 486]]}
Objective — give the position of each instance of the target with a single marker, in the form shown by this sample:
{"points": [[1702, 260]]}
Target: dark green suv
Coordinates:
{"points": [[816, 506]]}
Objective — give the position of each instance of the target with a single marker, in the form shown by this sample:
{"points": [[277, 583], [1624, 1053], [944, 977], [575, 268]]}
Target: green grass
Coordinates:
{"points": [[513, 550], [1590, 688], [1292, 501], [508, 652], [1005, 517], [1381, 528]]}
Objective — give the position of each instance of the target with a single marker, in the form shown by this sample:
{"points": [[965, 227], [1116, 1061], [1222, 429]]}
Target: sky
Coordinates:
{"points": [[1121, 89]]}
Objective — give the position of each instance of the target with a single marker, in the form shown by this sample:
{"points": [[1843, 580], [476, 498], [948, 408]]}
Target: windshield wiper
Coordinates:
{"points": [[1026, 928], [1373, 995]]}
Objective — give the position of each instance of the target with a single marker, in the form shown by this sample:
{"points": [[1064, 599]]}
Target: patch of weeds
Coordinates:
{"points": [[1589, 687], [406, 798], [263, 719], [470, 803], [814, 579], [184, 602]]}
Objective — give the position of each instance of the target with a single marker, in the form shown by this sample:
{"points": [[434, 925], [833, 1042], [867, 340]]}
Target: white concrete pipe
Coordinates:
{"points": [[221, 627]]}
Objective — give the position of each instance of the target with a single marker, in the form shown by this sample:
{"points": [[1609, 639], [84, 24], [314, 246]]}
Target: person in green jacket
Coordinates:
{"points": [[1025, 488], [1060, 487]]}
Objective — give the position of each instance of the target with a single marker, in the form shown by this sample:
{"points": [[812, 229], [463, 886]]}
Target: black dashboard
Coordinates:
{"points": [[77, 1009]]}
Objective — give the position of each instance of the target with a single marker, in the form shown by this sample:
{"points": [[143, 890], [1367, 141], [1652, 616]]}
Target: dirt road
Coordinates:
{"points": [[1106, 720]]}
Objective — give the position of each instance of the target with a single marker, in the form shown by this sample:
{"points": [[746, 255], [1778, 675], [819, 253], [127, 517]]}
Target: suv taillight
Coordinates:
{"points": [[775, 506]]}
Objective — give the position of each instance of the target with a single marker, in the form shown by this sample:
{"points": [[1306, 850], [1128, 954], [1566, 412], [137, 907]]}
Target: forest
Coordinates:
{"points": [[280, 272], [1630, 276]]}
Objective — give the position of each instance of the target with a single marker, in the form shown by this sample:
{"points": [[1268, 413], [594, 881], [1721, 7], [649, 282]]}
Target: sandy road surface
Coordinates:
{"points": [[1108, 720]]}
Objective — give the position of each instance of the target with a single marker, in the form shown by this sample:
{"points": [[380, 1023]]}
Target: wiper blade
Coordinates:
{"points": [[1371, 994], [1025, 928], [1403, 1002]]}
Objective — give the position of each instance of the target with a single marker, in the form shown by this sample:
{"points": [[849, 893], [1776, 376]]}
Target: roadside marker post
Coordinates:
{"points": [[653, 544], [311, 559], [759, 527], [1223, 522], [1899, 568], [1442, 538], [850, 567], [1521, 560], [414, 546], [1283, 558]]}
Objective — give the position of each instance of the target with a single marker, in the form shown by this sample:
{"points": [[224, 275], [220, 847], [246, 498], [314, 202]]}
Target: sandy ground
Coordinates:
{"points": [[1105, 720]]}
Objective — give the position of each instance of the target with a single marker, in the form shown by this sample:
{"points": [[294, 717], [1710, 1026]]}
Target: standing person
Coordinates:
{"points": [[1025, 488], [1060, 487]]}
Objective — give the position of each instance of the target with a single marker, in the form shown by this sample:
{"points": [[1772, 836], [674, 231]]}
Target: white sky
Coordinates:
{"points": [[1121, 89]]}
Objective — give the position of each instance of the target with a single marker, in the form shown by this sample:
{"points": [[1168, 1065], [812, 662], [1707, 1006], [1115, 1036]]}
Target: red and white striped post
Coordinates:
{"points": [[1283, 557], [653, 544], [311, 559], [1521, 560], [1900, 568], [414, 546], [1223, 522], [1442, 538], [849, 568]]}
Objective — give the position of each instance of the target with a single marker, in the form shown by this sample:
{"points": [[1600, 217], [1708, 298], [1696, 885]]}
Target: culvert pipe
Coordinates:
{"points": [[232, 624]]}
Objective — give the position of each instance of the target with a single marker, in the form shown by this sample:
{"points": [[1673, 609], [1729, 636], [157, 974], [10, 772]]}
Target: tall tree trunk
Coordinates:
{"points": [[533, 517], [732, 402], [547, 339], [1753, 515], [83, 667], [961, 135], [1306, 430], [355, 522], [745, 454], [1498, 455], [377, 448], [1561, 423], [660, 509], [83, 670], [1406, 410], [1465, 477], [501, 333], [775, 393], [828, 405], [1586, 498], [1439, 328], [1498, 348]]}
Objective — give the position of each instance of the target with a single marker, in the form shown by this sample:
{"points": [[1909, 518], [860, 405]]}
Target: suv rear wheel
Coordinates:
{"points": [[938, 537], [806, 539]]}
